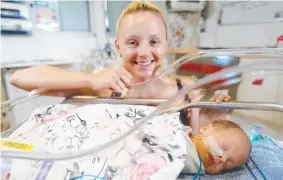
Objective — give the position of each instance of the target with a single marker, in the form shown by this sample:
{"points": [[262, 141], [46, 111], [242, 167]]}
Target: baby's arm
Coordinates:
{"points": [[198, 116]]}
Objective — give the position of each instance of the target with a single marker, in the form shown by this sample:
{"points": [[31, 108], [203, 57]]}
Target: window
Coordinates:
{"points": [[74, 16], [114, 9]]}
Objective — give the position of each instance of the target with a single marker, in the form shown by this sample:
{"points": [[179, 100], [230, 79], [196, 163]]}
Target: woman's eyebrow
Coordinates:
{"points": [[154, 36], [132, 36]]}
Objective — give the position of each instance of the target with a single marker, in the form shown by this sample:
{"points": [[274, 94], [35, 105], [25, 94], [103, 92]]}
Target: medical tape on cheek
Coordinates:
{"points": [[213, 146]]}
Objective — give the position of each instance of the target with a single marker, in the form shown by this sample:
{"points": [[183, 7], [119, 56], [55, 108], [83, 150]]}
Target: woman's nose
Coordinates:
{"points": [[144, 51]]}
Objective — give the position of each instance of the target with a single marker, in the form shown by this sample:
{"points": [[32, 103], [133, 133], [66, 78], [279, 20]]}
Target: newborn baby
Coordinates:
{"points": [[232, 140]]}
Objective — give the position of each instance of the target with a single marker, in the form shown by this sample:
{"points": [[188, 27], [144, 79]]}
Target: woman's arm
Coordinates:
{"points": [[60, 82], [49, 77]]}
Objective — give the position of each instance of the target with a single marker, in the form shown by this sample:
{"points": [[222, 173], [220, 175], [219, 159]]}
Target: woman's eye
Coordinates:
{"points": [[154, 42], [132, 43]]}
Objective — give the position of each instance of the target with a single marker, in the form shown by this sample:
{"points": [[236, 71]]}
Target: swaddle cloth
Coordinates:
{"points": [[158, 150]]}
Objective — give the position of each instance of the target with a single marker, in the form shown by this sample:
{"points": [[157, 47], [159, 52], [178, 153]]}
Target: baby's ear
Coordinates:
{"points": [[206, 128]]}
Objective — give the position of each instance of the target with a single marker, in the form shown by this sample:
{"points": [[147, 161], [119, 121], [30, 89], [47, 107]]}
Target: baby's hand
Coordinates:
{"points": [[220, 98]]}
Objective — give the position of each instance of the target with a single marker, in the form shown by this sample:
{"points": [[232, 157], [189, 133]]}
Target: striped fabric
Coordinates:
{"points": [[265, 163]]}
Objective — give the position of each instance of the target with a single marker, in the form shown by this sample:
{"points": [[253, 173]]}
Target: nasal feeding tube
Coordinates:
{"points": [[229, 72], [210, 142]]}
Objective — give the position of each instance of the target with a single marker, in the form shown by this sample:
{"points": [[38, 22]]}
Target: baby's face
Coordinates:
{"points": [[234, 144]]}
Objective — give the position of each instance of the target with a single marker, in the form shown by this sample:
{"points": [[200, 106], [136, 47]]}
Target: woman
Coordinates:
{"points": [[142, 44]]}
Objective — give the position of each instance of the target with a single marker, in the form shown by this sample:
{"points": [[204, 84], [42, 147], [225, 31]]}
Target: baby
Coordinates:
{"points": [[232, 140]]}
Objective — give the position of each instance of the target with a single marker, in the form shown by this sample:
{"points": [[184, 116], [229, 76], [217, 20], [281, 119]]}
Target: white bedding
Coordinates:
{"points": [[160, 148]]}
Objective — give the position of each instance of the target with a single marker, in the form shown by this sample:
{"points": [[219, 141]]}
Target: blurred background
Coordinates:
{"points": [[79, 35]]}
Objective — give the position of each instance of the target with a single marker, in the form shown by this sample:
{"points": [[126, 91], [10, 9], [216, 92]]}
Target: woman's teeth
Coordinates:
{"points": [[144, 63]]}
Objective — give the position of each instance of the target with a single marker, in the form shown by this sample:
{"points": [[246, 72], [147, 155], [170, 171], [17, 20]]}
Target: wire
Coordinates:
{"points": [[199, 169], [88, 175]]}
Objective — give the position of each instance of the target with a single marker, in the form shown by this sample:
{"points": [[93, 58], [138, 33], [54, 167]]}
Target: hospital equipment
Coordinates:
{"points": [[176, 100], [214, 148]]}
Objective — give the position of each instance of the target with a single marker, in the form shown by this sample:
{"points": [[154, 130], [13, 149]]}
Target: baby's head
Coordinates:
{"points": [[232, 140]]}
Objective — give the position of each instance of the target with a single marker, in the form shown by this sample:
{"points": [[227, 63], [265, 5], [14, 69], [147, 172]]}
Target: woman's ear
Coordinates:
{"points": [[117, 46]]}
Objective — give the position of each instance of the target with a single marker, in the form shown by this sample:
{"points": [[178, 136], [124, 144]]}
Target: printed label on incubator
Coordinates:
{"points": [[16, 145]]}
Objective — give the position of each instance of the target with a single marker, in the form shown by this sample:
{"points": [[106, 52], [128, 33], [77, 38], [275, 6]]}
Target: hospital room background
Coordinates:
{"points": [[79, 35]]}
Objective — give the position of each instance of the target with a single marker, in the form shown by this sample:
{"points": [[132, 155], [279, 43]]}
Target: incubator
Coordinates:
{"points": [[241, 74]]}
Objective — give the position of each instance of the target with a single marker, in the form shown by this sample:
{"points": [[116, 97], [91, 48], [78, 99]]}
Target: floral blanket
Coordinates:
{"points": [[158, 150]]}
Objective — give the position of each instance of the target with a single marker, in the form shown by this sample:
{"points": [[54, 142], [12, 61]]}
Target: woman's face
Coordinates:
{"points": [[142, 43]]}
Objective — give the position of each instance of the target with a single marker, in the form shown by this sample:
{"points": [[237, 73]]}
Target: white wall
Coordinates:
{"points": [[208, 38], [254, 35], [46, 45], [270, 91], [238, 35]]}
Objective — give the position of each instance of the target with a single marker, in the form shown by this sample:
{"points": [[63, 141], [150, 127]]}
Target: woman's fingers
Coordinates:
{"points": [[115, 87], [124, 76], [120, 83], [119, 80], [126, 80], [127, 74]]}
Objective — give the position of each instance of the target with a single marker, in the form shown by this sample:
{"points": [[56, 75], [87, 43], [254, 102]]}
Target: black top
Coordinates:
{"points": [[184, 118]]}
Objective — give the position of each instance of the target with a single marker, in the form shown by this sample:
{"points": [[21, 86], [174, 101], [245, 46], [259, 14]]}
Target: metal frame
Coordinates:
{"points": [[83, 100]]}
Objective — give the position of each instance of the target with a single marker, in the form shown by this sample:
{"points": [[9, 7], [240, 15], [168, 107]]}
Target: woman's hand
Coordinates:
{"points": [[116, 79]]}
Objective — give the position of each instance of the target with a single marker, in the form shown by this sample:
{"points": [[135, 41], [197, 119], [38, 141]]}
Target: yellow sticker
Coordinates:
{"points": [[16, 145]]}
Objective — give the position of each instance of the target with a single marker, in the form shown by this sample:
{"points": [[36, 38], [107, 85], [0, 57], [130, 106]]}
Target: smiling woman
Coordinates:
{"points": [[141, 43]]}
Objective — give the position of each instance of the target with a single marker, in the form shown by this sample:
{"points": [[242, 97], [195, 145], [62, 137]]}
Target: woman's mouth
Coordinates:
{"points": [[144, 63]]}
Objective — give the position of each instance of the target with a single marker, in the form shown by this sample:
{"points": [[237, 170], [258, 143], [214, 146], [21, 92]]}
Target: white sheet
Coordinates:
{"points": [[159, 147]]}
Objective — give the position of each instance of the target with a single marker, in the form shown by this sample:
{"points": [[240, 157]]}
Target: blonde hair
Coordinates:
{"points": [[137, 6], [225, 125]]}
